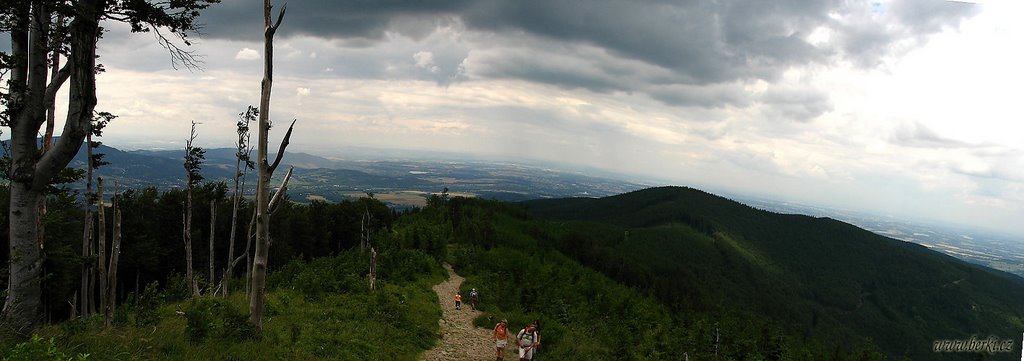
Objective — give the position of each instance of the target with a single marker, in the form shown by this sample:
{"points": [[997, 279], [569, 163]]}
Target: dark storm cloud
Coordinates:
{"points": [[695, 42], [349, 19]]}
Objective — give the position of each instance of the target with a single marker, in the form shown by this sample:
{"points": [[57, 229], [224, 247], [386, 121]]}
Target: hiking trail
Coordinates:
{"points": [[460, 340]]}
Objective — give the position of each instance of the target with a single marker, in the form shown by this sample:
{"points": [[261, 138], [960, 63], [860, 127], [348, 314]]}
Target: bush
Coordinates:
{"points": [[39, 349], [199, 319], [236, 325], [147, 306], [206, 317], [177, 288]]}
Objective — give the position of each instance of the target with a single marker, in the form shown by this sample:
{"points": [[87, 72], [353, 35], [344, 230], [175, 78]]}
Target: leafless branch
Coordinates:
{"points": [[280, 151], [180, 57]]}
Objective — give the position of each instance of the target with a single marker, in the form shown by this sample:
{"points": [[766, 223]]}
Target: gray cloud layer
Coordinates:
{"points": [[668, 50]]}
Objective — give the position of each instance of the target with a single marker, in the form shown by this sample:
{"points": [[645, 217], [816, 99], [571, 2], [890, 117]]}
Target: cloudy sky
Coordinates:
{"points": [[904, 108]]}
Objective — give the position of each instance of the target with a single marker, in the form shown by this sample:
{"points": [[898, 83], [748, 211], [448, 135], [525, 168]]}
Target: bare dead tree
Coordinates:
{"points": [[213, 227], [373, 269], [242, 151], [362, 232], [115, 252], [259, 267], [87, 270], [101, 246], [193, 161], [274, 201]]}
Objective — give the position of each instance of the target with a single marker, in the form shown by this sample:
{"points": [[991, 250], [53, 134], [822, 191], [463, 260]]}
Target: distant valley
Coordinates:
{"points": [[1004, 252], [398, 182], [408, 181]]}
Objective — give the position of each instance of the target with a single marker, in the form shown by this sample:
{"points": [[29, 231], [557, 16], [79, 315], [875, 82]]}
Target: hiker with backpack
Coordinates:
{"points": [[536, 328], [501, 338], [473, 297], [528, 340]]}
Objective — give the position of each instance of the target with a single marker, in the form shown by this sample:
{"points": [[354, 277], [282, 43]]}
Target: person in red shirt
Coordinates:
{"points": [[458, 301], [501, 338]]}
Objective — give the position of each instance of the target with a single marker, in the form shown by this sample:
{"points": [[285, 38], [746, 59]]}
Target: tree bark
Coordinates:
{"points": [[101, 248], [259, 267], [115, 251], [30, 172], [187, 232], [229, 272], [373, 269], [86, 295], [213, 227], [187, 238]]}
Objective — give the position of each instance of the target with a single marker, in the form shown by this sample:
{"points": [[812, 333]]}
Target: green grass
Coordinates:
{"points": [[398, 321]]}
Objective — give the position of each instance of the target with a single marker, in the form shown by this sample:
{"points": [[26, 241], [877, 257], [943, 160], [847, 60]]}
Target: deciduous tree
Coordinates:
{"points": [[29, 92]]}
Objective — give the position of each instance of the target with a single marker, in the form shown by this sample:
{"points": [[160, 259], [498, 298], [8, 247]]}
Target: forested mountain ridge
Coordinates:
{"points": [[663, 273], [822, 278]]}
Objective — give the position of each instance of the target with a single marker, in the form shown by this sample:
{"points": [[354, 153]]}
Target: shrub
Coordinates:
{"points": [[147, 306], [177, 288], [236, 325], [39, 349], [199, 319]]}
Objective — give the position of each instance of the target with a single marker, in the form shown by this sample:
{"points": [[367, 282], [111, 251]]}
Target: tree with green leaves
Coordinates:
{"points": [[38, 28]]}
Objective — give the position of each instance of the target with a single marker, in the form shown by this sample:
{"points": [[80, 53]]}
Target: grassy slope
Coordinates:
{"points": [[820, 277], [319, 310]]}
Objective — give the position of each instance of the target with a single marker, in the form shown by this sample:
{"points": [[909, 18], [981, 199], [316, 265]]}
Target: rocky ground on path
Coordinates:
{"points": [[460, 340]]}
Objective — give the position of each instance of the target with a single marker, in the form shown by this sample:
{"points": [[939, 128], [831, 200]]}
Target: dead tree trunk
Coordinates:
{"points": [[213, 227], [373, 269], [259, 267], [193, 156], [86, 294], [242, 151], [101, 248], [115, 251], [362, 233]]}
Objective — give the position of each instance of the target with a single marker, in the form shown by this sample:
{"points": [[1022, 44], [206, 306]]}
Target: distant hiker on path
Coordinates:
{"points": [[528, 339], [458, 301], [501, 338], [473, 297]]}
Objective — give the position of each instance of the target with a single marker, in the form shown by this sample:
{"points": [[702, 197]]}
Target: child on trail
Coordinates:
{"points": [[501, 338], [473, 297], [528, 339], [458, 301]]}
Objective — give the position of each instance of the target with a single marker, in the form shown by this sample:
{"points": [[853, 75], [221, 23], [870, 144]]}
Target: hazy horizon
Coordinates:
{"points": [[900, 108], [740, 195]]}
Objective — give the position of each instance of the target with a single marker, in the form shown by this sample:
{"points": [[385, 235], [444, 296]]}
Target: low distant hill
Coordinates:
{"points": [[397, 182], [817, 278]]}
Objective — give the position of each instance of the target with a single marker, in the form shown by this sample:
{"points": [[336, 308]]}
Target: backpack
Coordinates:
{"points": [[526, 335], [473, 295]]}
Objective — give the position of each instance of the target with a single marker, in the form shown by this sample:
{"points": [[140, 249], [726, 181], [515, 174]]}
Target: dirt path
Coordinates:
{"points": [[460, 340]]}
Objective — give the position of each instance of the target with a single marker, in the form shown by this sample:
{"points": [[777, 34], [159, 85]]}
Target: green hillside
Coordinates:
{"points": [[820, 279], [663, 274]]}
